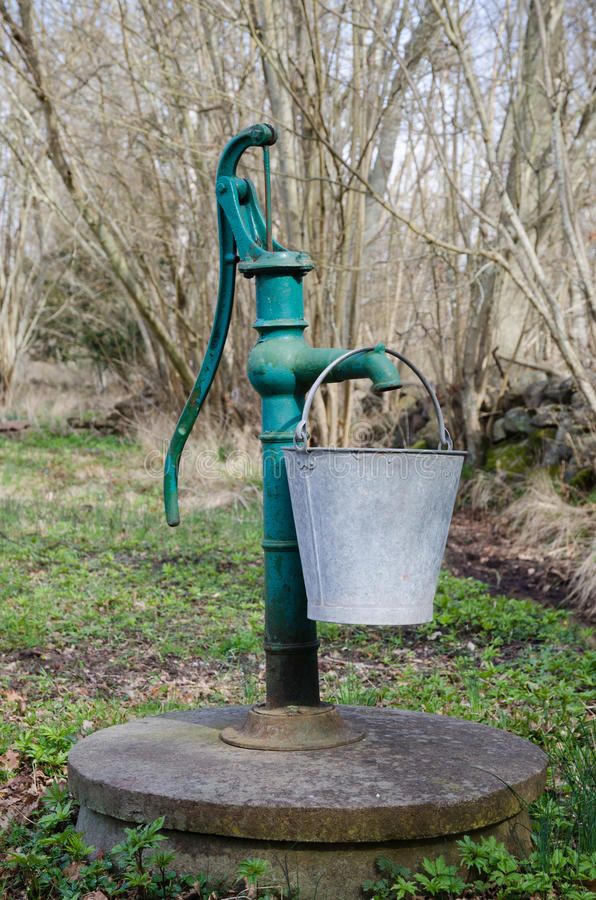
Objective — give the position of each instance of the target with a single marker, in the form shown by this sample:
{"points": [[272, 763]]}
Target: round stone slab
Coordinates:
{"points": [[413, 776]]}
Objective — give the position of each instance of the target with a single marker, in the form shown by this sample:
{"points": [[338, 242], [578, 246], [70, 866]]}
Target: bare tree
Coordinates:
{"points": [[33, 263], [432, 158]]}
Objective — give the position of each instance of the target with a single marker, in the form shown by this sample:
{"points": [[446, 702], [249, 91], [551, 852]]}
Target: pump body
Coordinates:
{"points": [[281, 367]]}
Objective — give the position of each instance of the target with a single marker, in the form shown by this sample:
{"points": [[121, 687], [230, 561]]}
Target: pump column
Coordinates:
{"points": [[290, 637]]}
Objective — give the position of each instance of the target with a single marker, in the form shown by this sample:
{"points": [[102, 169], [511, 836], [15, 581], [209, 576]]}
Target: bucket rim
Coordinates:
{"points": [[385, 450]]}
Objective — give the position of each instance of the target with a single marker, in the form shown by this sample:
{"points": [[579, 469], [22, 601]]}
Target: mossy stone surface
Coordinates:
{"points": [[317, 871], [541, 435], [584, 479], [413, 776], [411, 788], [511, 458]]}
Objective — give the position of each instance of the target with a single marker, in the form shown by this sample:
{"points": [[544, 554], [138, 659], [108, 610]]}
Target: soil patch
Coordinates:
{"points": [[478, 547]]}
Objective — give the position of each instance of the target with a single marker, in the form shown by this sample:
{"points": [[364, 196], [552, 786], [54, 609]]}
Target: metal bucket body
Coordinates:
{"points": [[372, 527]]}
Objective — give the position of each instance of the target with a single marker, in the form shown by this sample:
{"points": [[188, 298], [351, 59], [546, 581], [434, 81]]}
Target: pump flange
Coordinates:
{"points": [[292, 728]]}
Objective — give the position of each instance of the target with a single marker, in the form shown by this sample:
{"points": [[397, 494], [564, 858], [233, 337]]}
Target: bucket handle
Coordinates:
{"points": [[301, 433]]}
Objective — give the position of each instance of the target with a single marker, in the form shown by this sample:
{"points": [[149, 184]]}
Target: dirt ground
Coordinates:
{"points": [[478, 547]]}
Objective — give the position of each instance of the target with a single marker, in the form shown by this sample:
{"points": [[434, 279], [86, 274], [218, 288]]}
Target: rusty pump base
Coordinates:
{"points": [[292, 728]]}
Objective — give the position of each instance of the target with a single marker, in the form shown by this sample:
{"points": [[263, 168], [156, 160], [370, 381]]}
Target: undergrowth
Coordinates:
{"points": [[105, 614], [560, 529]]}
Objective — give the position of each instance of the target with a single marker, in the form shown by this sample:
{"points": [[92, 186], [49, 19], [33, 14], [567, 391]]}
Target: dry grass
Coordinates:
{"points": [[583, 592], [220, 467], [50, 391], [486, 491], [547, 525]]}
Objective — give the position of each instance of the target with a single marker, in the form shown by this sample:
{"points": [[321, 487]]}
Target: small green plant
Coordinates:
{"points": [[52, 860], [395, 882], [242, 642], [131, 854], [492, 871], [566, 874], [252, 690], [46, 746], [438, 879], [161, 861], [251, 871], [352, 692], [575, 758]]}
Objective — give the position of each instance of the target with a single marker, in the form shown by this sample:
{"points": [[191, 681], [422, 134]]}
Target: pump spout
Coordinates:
{"points": [[382, 373], [286, 364], [374, 365]]}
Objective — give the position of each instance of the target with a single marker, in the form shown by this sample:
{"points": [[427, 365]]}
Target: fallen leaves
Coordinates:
{"points": [[10, 760], [15, 704], [21, 796], [73, 871], [15, 697]]}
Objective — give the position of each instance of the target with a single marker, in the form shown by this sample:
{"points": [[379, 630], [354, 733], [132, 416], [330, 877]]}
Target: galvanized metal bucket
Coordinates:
{"points": [[372, 524]]}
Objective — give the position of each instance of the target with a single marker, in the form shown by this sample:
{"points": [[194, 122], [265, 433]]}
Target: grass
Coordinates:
{"points": [[106, 614]]}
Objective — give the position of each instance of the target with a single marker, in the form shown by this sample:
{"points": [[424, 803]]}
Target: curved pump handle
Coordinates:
{"points": [[261, 135]]}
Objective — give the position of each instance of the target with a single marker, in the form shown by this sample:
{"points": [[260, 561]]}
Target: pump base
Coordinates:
{"points": [[412, 787], [292, 728]]}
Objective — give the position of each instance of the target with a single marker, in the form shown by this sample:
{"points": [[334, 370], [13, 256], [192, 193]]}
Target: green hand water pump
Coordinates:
{"points": [[369, 525], [282, 366]]}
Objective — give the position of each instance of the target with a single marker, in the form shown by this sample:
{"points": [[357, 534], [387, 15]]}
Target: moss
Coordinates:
{"points": [[541, 435], [512, 458], [468, 471], [584, 479]]}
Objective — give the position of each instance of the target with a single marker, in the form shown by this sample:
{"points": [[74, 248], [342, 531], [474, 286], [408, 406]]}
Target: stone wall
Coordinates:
{"points": [[547, 423]]}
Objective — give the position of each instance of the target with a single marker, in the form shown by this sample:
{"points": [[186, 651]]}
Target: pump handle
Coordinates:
{"points": [[262, 135]]}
